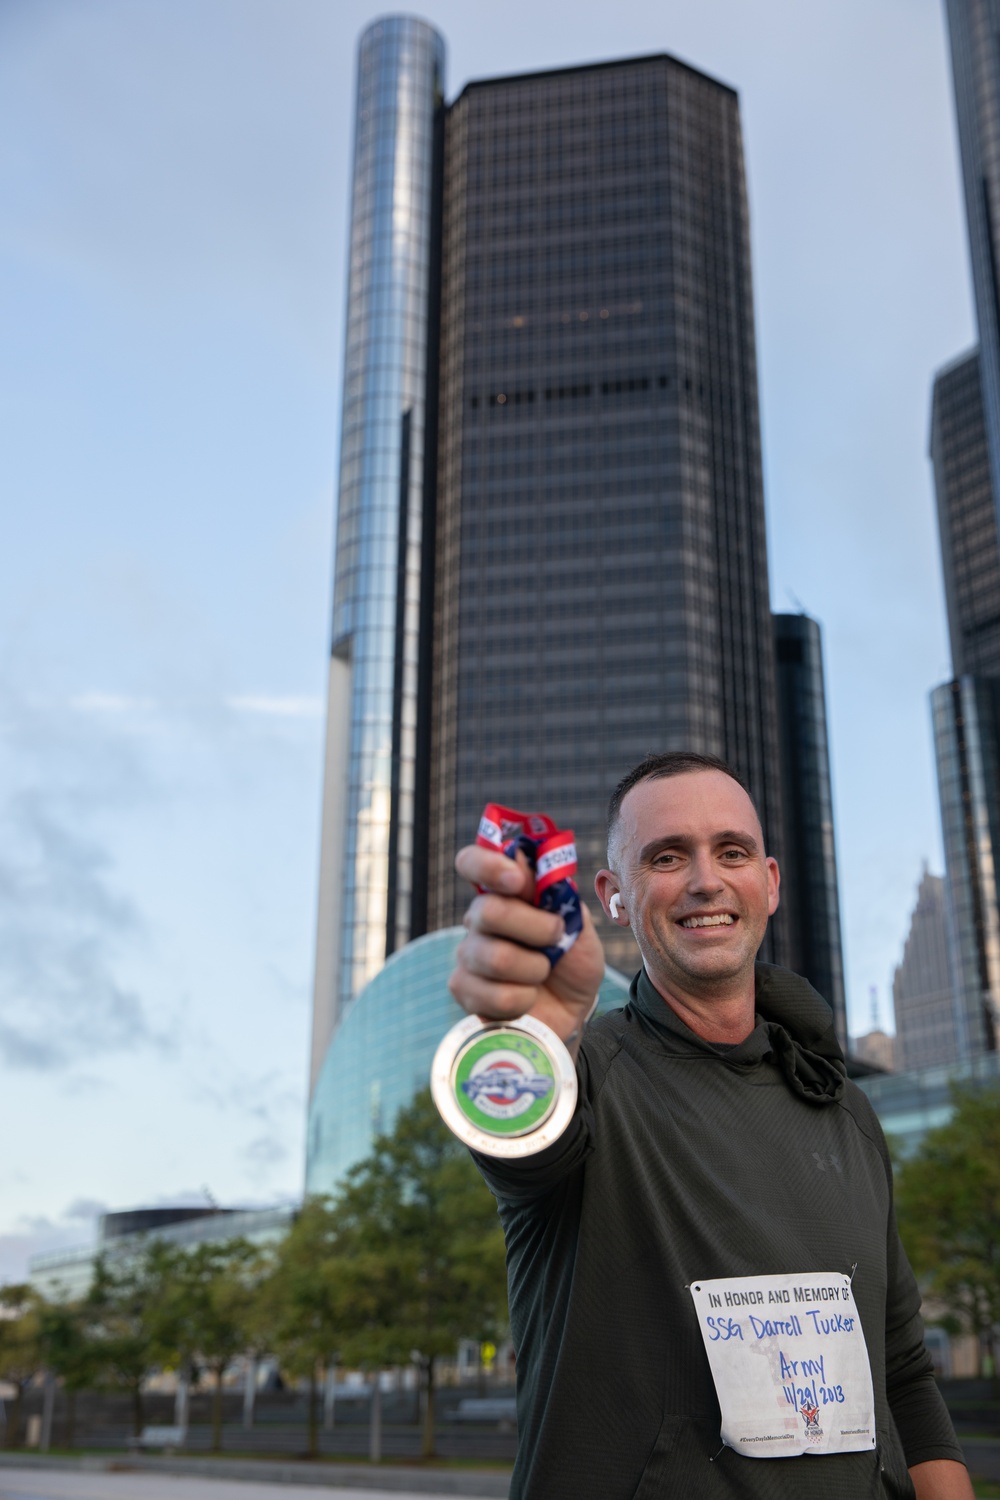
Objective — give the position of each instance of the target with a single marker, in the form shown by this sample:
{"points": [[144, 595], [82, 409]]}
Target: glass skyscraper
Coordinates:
{"points": [[965, 450], [551, 552], [601, 576], [809, 859], [374, 816], [974, 32]]}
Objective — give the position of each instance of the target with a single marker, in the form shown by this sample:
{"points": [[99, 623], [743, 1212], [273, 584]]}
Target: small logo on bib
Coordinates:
{"points": [[810, 1415]]}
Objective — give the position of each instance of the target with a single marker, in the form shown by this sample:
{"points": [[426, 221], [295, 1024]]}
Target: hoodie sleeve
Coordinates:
{"points": [[520, 1180]]}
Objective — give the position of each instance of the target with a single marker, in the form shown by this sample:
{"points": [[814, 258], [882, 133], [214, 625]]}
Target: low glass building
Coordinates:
{"points": [[910, 1104], [381, 1055]]}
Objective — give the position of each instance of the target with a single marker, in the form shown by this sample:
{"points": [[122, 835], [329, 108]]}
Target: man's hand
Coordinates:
{"points": [[499, 974]]}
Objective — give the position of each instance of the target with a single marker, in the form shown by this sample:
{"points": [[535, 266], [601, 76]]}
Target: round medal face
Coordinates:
{"points": [[506, 1089]]}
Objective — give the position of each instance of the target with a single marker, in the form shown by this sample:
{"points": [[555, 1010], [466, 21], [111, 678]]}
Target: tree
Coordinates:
{"points": [[68, 1349], [948, 1206], [125, 1309], [303, 1305], [210, 1296], [421, 1251], [20, 1353]]}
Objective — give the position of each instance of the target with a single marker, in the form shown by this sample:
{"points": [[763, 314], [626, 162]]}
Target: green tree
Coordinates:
{"points": [[125, 1309], [211, 1294], [302, 1310], [420, 1251], [68, 1348], [20, 1351], [948, 1205]]}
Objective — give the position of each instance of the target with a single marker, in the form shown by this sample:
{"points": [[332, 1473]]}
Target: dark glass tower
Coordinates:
{"points": [[966, 711], [809, 866], [974, 30], [601, 566], [967, 518]]}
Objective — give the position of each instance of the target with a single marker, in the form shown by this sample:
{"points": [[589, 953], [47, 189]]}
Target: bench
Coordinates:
{"points": [[502, 1409], [159, 1437]]}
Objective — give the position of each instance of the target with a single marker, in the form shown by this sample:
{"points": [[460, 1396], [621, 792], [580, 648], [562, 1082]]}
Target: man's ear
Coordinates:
{"points": [[609, 895], [773, 885]]}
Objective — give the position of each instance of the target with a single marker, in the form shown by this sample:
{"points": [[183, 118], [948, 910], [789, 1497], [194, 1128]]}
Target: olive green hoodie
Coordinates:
{"points": [[688, 1161]]}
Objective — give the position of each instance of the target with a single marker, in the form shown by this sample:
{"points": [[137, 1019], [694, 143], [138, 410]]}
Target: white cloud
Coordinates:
{"points": [[285, 707]]}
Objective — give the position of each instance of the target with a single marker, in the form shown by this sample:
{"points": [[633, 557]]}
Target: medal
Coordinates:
{"points": [[505, 1088], [508, 1088]]}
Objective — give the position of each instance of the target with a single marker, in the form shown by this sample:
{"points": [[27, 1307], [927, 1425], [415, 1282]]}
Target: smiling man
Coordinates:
{"points": [[716, 1141]]}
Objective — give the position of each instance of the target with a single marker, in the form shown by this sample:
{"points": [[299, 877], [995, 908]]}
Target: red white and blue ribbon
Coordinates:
{"points": [[551, 853]]}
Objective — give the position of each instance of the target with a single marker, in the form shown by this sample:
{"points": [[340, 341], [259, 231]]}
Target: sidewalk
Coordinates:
{"points": [[374, 1480]]}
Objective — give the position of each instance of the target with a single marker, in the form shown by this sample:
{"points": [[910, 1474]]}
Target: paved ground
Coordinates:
{"points": [[29, 1484]]}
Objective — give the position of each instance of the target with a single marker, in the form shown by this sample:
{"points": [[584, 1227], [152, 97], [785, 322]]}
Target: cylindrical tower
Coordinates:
{"points": [[366, 875]]}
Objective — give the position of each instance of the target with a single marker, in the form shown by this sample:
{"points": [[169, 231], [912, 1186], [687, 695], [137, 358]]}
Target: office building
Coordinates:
{"points": [[551, 554], [965, 451], [876, 1049], [965, 710], [809, 892], [66, 1275], [374, 807], [927, 1019], [601, 558], [974, 34], [967, 518], [965, 714]]}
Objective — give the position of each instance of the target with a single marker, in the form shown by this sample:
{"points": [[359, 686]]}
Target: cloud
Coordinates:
{"points": [[110, 703], [62, 925], [277, 707]]}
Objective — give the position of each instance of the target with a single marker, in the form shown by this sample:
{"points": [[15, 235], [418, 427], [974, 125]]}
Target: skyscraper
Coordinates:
{"points": [[927, 1028], [967, 517], [601, 567], [374, 803], [809, 859], [551, 553], [965, 451], [974, 32]]}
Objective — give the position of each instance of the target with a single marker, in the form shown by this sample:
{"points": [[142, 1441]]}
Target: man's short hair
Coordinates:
{"points": [[668, 763]]}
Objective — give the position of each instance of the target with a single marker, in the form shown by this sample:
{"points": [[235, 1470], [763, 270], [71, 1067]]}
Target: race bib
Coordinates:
{"points": [[790, 1363]]}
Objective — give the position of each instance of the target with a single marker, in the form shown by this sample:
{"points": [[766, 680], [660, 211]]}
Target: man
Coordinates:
{"points": [[716, 1135]]}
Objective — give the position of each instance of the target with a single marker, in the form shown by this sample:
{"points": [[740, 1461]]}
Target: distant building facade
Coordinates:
{"points": [[922, 994], [877, 1049], [66, 1275]]}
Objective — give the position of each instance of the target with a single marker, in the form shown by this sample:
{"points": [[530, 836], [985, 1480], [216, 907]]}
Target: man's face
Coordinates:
{"points": [[695, 881]]}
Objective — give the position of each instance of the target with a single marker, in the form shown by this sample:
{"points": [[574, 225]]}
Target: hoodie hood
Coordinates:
{"points": [[794, 1027]]}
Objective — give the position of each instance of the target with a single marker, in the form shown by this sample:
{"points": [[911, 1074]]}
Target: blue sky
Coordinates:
{"points": [[174, 181]]}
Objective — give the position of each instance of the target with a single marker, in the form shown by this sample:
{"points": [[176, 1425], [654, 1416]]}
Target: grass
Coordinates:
{"points": [[986, 1490]]}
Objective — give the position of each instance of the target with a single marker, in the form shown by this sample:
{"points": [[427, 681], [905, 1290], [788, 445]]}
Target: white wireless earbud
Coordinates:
{"points": [[615, 905]]}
